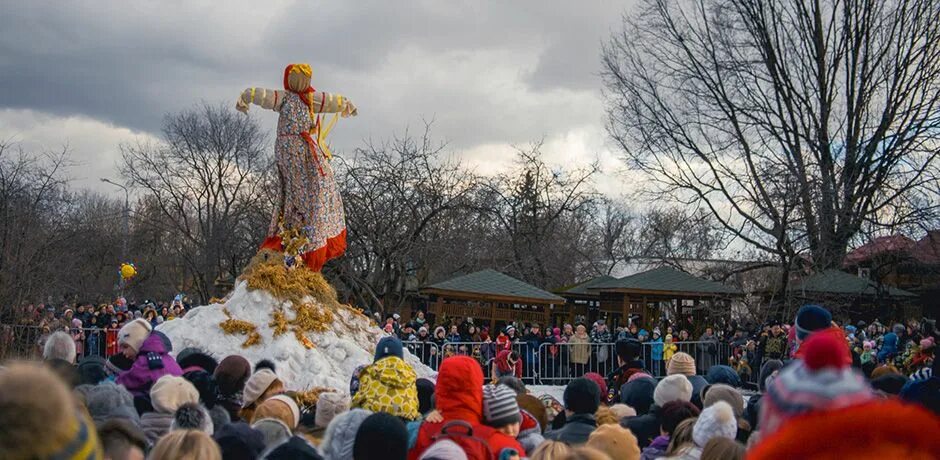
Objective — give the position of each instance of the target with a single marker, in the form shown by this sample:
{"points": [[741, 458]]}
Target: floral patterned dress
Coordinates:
{"points": [[309, 220]]}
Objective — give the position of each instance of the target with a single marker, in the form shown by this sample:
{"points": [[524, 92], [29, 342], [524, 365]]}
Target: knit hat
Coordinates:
{"points": [[192, 416], [639, 375], [381, 436], [91, 370], [628, 349], [295, 448], [388, 346], [715, 420], [231, 374], [672, 388], [582, 396], [256, 386], [238, 441], [674, 412], [719, 373], [444, 449], [616, 441], [134, 333], [711, 394], [638, 394], [39, 417], [599, 380], [341, 434], [170, 392], [811, 318], [499, 406], [425, 395], [329, 405], [107, 401], [272, 430], [681, 363], [281, 407], [821, 380]]}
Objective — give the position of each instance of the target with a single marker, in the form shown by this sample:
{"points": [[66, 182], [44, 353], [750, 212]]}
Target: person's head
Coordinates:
{"points": [[186, 445], [668, 338], [423, 332], [169, 392], [722, 449], [132, 336], [108, 401], [231, 374], [567, 329], [59, 345], [675, 412], [615, 441], [340, 435], [381, 436], [453, 329], [811, 318], [601, 325], [675, 387], [535, 328], [551, 450], [628, 350], [683, 335], [329, 405], [681, 436], [238, 440], [388, 346], [711, 394], [582, 396], [622, 411], [500, 409], [40, 417], [681, 363], [717, 420], [260, 386], [580, 329], [280, 407], [420, 314], [122, 440], [512, 382], [192, 416], [709, 331]]}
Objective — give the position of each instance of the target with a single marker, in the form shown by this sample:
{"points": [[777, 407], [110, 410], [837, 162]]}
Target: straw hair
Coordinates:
{"points": [[186, 445], [551, 450]]}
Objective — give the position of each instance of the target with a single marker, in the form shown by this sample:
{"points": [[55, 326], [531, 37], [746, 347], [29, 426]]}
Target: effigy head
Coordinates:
{"points": [[297, 77]]}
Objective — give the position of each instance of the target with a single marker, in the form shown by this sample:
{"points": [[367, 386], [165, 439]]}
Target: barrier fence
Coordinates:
{"points": [[26, 342], [556, 364]]}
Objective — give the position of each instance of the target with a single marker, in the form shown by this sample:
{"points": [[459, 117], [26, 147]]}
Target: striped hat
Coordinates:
{"points": [[499, 406], [820, 380]]}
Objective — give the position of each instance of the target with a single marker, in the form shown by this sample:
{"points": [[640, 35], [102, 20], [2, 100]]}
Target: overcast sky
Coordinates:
{"points": [[491, 74]]}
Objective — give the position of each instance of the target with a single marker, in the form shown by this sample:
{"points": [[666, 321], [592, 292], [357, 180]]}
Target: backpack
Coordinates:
{"points": [[473, 444]]}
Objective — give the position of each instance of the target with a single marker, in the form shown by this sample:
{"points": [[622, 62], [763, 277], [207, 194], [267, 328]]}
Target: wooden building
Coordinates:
{"points": [[490, 298], [647, 296], [855, 296]]}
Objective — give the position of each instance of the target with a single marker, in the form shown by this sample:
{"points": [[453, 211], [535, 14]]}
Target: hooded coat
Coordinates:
{"points": [[459, 396], [388, 385], [152, 362]]}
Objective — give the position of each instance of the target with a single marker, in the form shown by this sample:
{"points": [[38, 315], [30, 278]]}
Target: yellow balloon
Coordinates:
{"points": [[128, 271]]}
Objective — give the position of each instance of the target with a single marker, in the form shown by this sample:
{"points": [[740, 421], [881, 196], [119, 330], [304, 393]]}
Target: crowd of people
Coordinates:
{"points": [[819, 395]]}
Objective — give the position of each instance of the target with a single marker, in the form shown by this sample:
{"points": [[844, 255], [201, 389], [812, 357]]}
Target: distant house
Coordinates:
{"points": [[490, 298]]}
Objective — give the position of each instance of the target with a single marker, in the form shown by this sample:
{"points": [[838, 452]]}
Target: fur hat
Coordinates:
{"points": [[616, 441], [41, 418], [272, 430], [91, 370], [192, 357], [582, 396], [295, 448], [329, 405], [170, 392], [811, 318], [192, 416], [715, 420], [134, 333], [444, 449], [341, 434], [381, 435], [281, 407], [675, 387], [231, 374], [681, 363], [499, 406], [256, 386], [205, 385], [711, 394]]}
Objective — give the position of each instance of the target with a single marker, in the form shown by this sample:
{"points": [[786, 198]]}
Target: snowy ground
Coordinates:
{"points": [[557, 391], [337, 352]]}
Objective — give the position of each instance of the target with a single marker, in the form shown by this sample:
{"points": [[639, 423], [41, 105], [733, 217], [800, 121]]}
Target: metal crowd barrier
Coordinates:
{"points": [[26, 342], [557, 364]]}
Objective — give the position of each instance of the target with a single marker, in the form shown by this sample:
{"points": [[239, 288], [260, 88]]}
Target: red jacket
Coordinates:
{"points": [[503, 366], [459, 396]]}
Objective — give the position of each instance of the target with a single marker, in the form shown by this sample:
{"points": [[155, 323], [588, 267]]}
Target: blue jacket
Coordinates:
{"points": [[889, 346], [657, 349]]}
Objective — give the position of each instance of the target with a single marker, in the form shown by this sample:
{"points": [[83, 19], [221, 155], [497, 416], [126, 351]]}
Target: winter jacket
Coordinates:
{"points": [[669, 349], [152, 362], [889, 346], [388, 385], [657, 349], [576, 430], [656, 449], [503, 367], [644, 427], [580, 348], [459, 396], [155, 425]]}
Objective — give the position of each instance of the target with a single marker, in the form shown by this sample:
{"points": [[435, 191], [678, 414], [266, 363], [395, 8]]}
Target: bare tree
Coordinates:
{"points": [[794, 123], [207, 177]]}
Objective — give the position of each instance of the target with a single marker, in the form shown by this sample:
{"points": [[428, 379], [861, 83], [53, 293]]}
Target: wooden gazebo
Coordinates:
{"points": [[491, 297]]}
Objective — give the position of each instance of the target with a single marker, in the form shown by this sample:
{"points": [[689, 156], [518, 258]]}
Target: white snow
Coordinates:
{"points": [[337, 352], [556, 391]]}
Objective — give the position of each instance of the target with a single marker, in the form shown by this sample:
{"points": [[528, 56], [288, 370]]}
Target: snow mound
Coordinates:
{"points": [[349, 343]]}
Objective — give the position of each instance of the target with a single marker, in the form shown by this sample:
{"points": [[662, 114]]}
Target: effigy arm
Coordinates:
{"points": [[266, 98]]}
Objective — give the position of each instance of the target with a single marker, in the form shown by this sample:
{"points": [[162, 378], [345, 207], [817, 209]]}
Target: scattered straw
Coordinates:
{"points": [[236, 326]]}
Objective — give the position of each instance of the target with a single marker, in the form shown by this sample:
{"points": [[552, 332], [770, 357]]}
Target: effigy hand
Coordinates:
{"points": [[241, 106], [350, 110]]}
